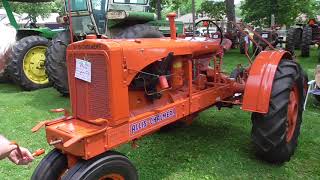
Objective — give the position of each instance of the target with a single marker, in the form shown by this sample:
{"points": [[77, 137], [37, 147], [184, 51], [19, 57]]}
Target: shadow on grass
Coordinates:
{"points": [[9, 88], [197, 148]]}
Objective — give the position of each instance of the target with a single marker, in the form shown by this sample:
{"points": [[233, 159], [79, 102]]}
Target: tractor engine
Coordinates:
{"points": [[118, 80]]}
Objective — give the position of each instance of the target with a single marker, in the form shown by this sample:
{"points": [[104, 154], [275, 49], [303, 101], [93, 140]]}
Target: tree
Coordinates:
{"points": [[231, 14], [35, 10], [215, 10], [258, 12]]}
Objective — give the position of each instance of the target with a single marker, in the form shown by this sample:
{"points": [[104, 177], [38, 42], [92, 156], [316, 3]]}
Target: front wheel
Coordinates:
{"points": [[53, 166], [275, 134], [108, 166]]}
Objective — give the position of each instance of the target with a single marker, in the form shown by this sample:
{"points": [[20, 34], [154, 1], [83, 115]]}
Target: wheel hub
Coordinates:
{"points": [[292, 113], [34, 65]]}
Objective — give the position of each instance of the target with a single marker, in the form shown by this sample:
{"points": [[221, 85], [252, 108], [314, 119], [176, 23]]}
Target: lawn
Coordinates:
{"points": [[216, 146]]}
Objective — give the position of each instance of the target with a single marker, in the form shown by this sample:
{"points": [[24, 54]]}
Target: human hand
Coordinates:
{"points": [[21, 159], [6, 149]]}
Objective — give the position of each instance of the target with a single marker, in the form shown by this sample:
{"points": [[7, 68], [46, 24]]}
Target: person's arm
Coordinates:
{"points": [[3, 139], [9, 150]]}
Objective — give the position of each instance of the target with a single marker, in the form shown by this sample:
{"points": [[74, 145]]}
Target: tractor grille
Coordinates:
{"points": [[90, 100]]}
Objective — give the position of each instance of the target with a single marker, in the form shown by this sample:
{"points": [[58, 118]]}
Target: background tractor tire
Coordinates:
{"points": [[274, 138], [306, 41], [56, 62], [26, 67], [139, 31], [52, 166], [293, 41], [4, 77], [110, 165]]}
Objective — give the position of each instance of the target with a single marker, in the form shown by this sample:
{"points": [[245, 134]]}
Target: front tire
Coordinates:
{"points": [[275, 134], [110, 165], [26, 67], [52, 166]]}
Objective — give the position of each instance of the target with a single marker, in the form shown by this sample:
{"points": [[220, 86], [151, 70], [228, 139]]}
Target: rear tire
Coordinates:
{"points": [[293, 39], [16, 68], [52, 166], [56, 62], [274, 135], [105, 166], [306, 41]]}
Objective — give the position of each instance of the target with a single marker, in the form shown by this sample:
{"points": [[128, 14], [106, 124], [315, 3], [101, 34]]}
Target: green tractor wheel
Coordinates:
{"points": [[56, 62], [26, 67]]}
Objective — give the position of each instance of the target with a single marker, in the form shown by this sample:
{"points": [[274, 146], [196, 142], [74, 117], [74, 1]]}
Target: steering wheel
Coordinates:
{"points": [[208, 25]]}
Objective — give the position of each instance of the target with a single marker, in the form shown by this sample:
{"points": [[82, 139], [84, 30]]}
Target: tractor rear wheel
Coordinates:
{"points": [[306, 41], [26, 67], [52, 166], [108, 166], [56, 62], [275, 134]]}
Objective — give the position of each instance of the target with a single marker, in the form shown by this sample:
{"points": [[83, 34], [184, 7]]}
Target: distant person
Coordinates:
{"points": [[10, 151]]}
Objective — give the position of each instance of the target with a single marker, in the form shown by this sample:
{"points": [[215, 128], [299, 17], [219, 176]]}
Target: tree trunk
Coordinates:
{"points": [[194, 16], [231, 15], [159, 9]]}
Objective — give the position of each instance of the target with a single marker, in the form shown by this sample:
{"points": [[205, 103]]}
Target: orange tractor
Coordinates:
{"points": [[124, 89]]}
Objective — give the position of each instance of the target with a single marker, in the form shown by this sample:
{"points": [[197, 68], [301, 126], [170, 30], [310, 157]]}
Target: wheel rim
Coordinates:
{"points": [[33, 65], [113, 176], [292, 112]]}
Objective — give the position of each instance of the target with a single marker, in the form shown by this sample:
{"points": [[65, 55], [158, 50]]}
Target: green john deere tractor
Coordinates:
{"points": [[25, 66], [110, 18]]}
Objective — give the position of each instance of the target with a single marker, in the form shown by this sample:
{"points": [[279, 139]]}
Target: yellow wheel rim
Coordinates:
{"points": [[33, 65]]}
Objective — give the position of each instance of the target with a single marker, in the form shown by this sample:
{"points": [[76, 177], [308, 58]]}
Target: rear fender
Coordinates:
{"points": [[259, 84]]}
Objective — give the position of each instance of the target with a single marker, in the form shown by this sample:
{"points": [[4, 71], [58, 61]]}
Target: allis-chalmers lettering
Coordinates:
{"points": [[136, 127]]}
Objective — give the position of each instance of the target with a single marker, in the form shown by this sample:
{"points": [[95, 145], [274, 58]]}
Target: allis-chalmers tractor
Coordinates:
{"points": [[303, 37], [25, 65], [124, 89], [108, 18]]}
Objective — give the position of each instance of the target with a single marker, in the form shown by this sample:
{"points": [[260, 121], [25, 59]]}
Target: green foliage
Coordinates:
{"points": [[35, 10], [213, 9], [185, 6], [258, 12]]}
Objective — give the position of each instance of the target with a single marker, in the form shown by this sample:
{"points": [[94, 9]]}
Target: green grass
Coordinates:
{"points": [[216, 146]]}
